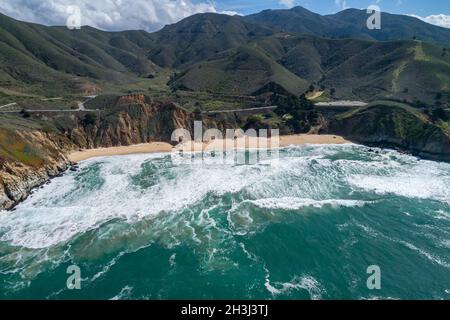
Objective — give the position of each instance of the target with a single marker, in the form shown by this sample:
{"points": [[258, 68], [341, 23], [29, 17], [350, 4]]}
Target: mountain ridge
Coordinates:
{"points": [[35, 58], [351, 23]]}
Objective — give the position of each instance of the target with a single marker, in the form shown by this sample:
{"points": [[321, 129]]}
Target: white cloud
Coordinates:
{"points": [[148, 15], [287, 3], [441, 20], [341, 3]]}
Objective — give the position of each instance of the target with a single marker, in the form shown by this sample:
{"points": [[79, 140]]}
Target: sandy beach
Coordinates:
{"points": [[300, 139], [240, 143], [154, 147]]}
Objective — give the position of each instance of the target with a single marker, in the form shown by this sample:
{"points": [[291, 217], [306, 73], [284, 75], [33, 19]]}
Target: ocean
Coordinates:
{"points": [[305, 226]]}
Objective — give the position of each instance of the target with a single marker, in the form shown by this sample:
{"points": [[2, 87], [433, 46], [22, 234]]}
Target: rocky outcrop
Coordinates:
{"points": [[132, 120], [18, 180], [30, 157], [394, 126], [137, 98]]}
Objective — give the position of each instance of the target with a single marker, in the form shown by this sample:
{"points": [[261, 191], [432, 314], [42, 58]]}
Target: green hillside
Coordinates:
{"points": [[396, 125], [351, 23], [202, 36], [240, 71], [352, 69], [213, 53], [54, 59]]}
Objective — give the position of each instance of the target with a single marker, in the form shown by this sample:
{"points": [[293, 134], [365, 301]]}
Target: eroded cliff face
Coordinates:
{"points": [[18, 180], [131, 120], [395, 127], [29, 156], [28, 159]]}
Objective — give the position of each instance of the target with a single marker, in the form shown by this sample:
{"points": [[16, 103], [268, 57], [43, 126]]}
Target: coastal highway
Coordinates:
{"points": [[54, 110], [241, 110], [342, 103], [80, 105]]}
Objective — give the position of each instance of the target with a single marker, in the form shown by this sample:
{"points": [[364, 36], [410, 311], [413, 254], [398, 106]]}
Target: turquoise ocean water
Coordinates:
{"points": [[305, 227]]}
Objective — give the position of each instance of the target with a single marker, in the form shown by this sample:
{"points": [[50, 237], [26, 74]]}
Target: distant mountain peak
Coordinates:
{"points": [[301, 9], [351, 23]]}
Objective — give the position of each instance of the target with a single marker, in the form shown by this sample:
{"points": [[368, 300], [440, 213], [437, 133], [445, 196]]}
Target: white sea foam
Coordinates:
{"points": [[172, 261], [53, 216], [303, 178], [420, 180], [291, 203], [308, 283], [442, 215], [431, 257], [61, 210], [107, 267], [123, 294], [108, 204], [445, 243]]}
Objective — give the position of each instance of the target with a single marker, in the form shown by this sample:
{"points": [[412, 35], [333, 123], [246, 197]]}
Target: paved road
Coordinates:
{"points": [[80, 104], [343, 103], [81, 107], [55, 110], [52, 99], [241, 110]]}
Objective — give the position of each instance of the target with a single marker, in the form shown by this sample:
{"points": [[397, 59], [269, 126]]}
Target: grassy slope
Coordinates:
{"points": [[19, 143], [41, 59], [214, 53], [200, 37], [365, 70], [240, 71], [356, 69], [351, 23]]}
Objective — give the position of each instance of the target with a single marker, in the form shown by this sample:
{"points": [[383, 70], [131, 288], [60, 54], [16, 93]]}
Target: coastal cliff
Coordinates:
{"points": [[130, 120], [29, 158], [34, 150], [394, 125]]}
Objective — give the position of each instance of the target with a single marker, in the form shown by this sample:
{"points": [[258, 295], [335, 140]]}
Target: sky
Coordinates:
{"points": [[152, 15], [417, 7]]}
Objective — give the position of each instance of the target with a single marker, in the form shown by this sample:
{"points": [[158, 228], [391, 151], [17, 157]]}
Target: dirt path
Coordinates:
{"points": [[8, 105], [315, 95]]}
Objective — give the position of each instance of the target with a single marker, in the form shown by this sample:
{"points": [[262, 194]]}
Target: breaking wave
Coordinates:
{"points": [[118, 207]]}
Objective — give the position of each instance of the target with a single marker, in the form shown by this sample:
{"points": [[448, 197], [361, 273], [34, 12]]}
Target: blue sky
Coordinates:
{"points": [[152, 15], [417, 7]]}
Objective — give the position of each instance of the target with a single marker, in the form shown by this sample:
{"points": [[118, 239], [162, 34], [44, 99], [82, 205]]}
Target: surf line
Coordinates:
{"points": [[203, 311]]}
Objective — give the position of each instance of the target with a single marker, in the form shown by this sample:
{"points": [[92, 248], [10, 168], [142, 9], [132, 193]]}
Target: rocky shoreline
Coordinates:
{"points": [[35, 150], [32, 155], [394, 127], [18, 181]]}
